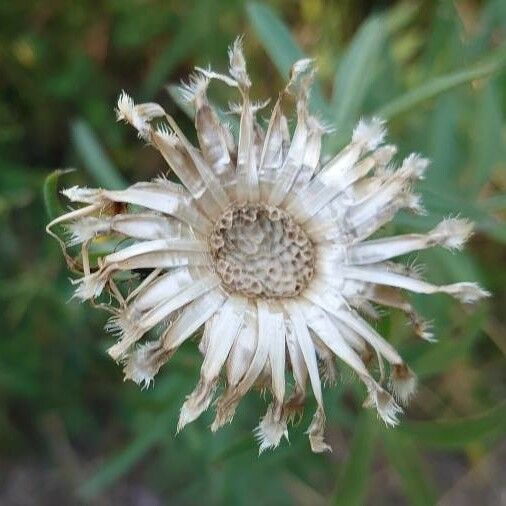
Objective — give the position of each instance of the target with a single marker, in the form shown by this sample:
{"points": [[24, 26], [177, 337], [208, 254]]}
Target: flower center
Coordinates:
{"points": [[260, 251]]}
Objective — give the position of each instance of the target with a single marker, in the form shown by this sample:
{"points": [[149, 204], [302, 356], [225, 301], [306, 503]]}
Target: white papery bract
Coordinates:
{"points": [[265, 247]]}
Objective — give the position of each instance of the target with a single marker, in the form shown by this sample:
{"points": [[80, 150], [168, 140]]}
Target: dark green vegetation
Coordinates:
{"points": [[70, 430]]}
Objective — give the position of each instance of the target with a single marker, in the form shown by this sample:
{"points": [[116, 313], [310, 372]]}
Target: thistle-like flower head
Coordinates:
{"points": [[266, 247]]}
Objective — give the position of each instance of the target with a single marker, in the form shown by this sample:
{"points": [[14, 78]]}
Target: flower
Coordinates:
{"points": [[266, 246]]}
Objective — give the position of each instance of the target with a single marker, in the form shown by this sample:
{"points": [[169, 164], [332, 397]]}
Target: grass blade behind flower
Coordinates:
{"points": [[94, 157], [441, 84], [352, 483], [50, 193], [281, 46]]}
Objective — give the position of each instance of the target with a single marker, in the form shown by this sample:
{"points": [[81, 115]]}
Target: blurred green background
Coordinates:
{"points": [[71, 432]]}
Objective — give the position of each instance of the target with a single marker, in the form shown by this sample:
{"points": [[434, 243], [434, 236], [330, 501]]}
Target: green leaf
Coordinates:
{"points": [[50, 193], [356, 71], [281, 46], [354, 476], [406, 460], [437, 85], [94, 157], [452, 434]]}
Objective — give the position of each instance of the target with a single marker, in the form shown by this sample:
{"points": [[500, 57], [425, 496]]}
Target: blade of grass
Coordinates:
{"points": [[275, 37], [177, 50], [281, 46], [121, 463], [441, 84], [50, 193], [401, 15], [355, 72], [240, 446], [406, 460], [94, 157], [452, 434], [353, 480], [488, 145], [443, 146], [184, 42]]}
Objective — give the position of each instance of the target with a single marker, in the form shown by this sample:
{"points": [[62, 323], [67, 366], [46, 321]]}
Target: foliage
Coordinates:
{"points": [[437, 73]]}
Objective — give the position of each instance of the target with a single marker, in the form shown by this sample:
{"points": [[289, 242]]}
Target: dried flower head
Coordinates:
{"points": [[265, 246]]}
